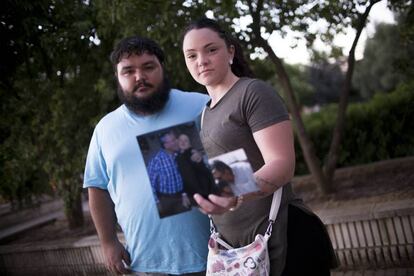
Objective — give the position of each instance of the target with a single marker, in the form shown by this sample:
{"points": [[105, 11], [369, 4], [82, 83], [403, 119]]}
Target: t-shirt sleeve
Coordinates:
{"points": [[95, 169], [263, 106]]}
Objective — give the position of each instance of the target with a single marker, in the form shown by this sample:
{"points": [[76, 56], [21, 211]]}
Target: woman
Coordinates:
{"points": [[196, 176], [247, 113]]}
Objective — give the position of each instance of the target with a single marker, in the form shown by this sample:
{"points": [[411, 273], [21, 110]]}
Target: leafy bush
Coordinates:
{"points": [[376, 130]]}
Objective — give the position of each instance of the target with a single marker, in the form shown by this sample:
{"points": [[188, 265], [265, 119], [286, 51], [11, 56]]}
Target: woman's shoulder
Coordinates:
{"points": [[256, 88], [250, 85]]}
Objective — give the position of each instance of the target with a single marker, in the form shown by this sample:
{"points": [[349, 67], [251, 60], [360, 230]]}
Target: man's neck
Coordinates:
{"points": [[172, 153], [141, 112]]}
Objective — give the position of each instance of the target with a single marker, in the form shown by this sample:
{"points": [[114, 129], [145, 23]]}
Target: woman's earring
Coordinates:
{"points": [[231, 62]]}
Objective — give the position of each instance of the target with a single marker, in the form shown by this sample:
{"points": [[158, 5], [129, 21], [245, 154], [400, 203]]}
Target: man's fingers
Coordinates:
{"points": [[117, 258]]}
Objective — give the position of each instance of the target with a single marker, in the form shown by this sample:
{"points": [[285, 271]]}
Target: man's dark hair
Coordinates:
{"points": [[221, 166], [135, 45], [162, 136]]}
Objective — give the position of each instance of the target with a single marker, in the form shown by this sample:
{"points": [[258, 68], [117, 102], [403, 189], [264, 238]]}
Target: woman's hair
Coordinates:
{"points": [[239, 67]]}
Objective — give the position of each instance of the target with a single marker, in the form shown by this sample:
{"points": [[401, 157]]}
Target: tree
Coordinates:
{"points": [[161, 21], [266, 17], [53, 93], [264, 70], [383, 68], [21, 175], [326, 79], [56, 79], [276, 16]]}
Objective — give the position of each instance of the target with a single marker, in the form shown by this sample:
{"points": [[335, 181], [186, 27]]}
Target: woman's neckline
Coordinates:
{"points": [[229, 91]]}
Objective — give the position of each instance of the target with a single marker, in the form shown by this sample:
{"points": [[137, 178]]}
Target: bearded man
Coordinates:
{"points": [[115, 174]]}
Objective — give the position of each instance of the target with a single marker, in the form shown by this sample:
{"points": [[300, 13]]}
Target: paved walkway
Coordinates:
{"points": [[87, 251], [38, 219], [363, 211], [17, 229]]}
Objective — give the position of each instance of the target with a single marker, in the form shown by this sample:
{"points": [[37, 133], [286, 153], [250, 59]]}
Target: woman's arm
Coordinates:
{"points": [[277, 148], [276, 145]]}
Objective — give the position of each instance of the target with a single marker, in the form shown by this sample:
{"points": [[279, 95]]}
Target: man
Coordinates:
{"points": [[116, 177], [165, 178], [238, 176]]}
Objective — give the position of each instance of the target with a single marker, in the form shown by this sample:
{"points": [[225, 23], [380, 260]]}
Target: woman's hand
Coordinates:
{"points": [[215, 205], [196, 156]]}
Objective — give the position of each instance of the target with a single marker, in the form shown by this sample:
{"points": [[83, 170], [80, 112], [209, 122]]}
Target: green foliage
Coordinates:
{"points": [[377, 130], [56, 80], [382, 67], [162, 21], [299, 16], [326, 79], [304, 91], [49, 98], [315, 84]]}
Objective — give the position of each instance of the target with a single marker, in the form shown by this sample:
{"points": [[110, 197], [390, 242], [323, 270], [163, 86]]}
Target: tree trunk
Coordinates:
{"points": [[322, 177], [73, 209], [306, 144], [333, 154]]}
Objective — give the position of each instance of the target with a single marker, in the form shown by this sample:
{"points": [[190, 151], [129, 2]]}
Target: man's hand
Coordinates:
{"points": [[215, 204], [115, 257]]}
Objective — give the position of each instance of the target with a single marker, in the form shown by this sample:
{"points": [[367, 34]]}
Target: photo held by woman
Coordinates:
{"points": [[247, 113]]}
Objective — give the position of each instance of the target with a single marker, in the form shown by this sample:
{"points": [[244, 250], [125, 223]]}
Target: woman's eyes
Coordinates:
{"points": [[207, 51]]}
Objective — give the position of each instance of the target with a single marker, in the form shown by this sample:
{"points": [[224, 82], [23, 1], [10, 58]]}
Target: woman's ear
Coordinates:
{"points": [[231, 50]]}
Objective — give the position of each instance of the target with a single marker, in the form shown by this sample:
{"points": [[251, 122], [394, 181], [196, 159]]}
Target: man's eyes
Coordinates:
{"points": [[149, 67], [133, 71], [127, 72]]}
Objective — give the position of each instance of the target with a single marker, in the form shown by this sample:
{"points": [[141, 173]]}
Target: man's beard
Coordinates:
{"points": [[150, 104]]}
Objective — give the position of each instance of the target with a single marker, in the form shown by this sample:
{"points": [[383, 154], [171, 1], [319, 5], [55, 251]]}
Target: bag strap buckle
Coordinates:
{"points": [[269, 228]]}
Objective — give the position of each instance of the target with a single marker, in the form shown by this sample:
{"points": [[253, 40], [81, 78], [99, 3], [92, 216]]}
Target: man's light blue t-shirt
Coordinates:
{"points": [[176, 244]]}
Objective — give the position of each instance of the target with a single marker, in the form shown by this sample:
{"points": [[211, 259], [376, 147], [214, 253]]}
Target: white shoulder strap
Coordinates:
{"points": [[277, 198], [274, 209]]}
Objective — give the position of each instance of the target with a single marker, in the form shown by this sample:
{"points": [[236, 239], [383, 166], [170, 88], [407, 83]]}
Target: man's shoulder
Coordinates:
{"points": [[111, 117], [189, 96], [111, 121], [160, 153], [157, 158]]}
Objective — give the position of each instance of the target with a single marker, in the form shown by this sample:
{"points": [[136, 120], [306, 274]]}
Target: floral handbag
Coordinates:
{"points": [[252, 259]]}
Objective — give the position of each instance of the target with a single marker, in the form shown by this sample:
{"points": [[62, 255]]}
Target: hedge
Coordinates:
{"points": [[380, 129]]}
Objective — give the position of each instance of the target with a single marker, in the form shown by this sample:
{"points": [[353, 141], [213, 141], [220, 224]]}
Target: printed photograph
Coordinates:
{"points": [[233, 173], [177, 167]]}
